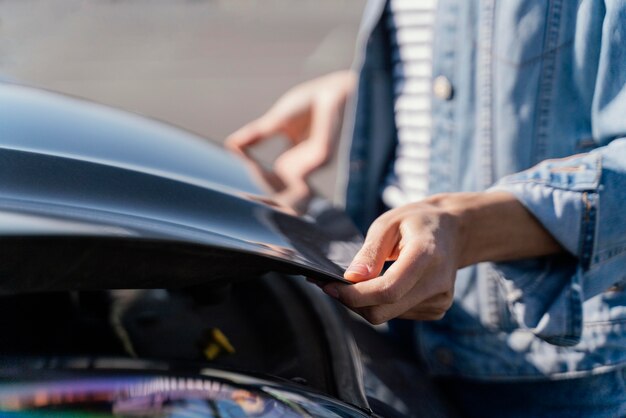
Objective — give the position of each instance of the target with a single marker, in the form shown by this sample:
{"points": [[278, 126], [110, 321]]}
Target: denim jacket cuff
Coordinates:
{"points": [[562, 195]]}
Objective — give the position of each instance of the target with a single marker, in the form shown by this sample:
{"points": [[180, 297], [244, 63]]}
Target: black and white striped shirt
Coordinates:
{"points": [[410, 25]]}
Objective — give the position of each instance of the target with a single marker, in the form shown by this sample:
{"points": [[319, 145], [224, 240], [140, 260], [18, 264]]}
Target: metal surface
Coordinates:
{"points": [[92, 197]]}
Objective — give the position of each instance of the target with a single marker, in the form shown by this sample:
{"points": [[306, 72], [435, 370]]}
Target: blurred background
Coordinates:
{"points": [[208, 66]]}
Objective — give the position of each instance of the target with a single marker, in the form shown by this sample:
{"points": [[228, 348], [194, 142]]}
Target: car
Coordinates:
{"points": [[146, 271]]}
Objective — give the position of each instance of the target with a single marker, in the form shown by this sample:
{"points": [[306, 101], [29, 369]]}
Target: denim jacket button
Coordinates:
{"points": [[442, 88]]}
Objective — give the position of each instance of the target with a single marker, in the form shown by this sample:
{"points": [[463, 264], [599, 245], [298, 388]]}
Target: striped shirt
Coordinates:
{"points": [[410, 25]]}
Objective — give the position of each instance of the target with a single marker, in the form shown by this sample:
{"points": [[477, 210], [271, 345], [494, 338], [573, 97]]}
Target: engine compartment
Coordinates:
{"points": [[273, 323], [279, 326]]}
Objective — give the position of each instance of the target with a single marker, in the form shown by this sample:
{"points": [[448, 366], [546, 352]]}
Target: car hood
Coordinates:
{"points": [[92, 197]]}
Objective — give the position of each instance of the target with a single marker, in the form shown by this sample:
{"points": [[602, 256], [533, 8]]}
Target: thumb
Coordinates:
{"points": [[378, 247]]}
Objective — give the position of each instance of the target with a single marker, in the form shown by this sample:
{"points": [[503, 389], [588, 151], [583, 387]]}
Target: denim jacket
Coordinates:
{"points": [[536, 106]]}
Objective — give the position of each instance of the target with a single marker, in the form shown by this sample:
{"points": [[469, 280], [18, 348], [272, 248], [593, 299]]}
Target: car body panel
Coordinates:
{"points": [[82, 177]]}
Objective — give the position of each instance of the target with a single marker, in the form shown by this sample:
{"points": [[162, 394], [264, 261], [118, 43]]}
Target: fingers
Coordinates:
{"points": [[420, 283], [307, 156], [298, 162], [432, 309], [296, 198], [390, 288], [379, 245], [252, 133], [417, 286], [326, 120]]}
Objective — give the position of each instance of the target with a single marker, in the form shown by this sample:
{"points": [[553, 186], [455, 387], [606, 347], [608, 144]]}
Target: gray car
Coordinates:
{"points": [[147, 272]]}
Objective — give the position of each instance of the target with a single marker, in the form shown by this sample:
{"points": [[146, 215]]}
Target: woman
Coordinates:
{"points": [[497, 192]]}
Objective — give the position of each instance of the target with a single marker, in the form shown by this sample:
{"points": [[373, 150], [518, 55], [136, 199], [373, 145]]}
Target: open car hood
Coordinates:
{"points": [[95, 198]]}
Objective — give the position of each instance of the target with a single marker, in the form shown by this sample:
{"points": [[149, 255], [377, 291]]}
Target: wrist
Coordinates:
{"points": [[462, 208], [494, 226]]}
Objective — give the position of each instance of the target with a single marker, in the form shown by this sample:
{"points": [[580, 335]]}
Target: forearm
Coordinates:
{"points": [[495, 226]]}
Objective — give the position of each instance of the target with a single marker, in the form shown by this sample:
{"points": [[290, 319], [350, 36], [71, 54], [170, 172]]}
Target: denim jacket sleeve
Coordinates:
{"points": [[581, 201]]}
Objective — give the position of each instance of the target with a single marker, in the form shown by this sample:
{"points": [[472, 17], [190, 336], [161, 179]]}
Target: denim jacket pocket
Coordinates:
{"points": [[542, 295], [516, 279]]}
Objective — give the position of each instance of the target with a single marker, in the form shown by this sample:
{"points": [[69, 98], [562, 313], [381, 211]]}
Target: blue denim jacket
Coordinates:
{"points": [[538, 108]]}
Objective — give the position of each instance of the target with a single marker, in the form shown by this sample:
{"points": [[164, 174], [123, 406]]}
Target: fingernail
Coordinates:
{"points": [[359, 269], [331, 291]]}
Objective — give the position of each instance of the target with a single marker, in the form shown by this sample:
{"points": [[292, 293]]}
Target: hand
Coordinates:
{"points": [[429, 241], [310, 116]]}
